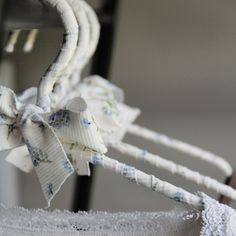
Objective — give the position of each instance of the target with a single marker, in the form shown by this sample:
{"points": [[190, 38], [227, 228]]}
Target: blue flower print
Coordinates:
{"points": [[69, 156], [67, 165], [11, 128], [165, 138], [37, 155], [154, 184], [143, 154], [59, 119], [49, 189], [107, 111], [179, 196], [128, 172], [86, 123], [3, 117], [109, 108], [96, 159]]}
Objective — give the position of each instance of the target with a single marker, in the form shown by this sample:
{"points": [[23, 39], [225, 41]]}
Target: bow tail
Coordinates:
{"points": [[48, 157], [78, 158], [19, 157]]}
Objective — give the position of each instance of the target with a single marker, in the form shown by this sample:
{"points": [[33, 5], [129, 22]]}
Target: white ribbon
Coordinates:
{"points": [[105, 101], [44, 135]]}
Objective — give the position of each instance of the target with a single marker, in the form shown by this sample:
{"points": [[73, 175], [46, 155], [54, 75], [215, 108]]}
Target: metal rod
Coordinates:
{"points": [[29, 14]]}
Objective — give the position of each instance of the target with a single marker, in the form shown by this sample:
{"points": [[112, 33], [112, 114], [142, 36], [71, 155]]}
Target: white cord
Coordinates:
{"points": [[174, 168], [194, 151], [148, 181]]}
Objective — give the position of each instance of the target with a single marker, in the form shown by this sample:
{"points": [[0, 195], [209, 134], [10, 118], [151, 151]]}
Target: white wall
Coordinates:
{"points": [[182, 52]]}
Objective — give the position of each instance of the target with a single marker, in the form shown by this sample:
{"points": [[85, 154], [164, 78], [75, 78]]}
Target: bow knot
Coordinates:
{"points": [[27, 112], [47, 136]]}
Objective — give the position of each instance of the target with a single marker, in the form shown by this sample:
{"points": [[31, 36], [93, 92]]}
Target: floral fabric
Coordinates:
{"points": [[44, 134], [105, 101]]}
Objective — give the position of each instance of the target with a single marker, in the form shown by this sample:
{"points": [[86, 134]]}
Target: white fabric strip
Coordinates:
{"points": [[133, 175], [148, 181], [88, 40], [43, 134], [66, 52], [174, 168], [194, 151], [64, 81], [94, 27]]}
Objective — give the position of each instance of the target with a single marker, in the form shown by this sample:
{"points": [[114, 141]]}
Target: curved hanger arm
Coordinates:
{"points": [[64, 56]]}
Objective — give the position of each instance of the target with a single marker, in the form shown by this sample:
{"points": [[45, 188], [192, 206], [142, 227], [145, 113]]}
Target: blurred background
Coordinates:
{"points": [[176, 60]]}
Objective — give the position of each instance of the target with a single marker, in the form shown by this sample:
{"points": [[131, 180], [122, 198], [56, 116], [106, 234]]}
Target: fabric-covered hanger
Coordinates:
{"points": [[82, 45], [23, 124], [89, 37], [86, 90], [133, 129], [194, 151], [113, 119], [170, 166], [50, 160], [57, 136]]}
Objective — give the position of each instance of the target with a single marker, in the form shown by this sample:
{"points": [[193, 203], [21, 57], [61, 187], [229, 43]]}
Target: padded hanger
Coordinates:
{"points": [[62, 84], [166, 189], [24, 124], [113, 119], [89, 149], [90, 32], [187, 173], [92, 149]]}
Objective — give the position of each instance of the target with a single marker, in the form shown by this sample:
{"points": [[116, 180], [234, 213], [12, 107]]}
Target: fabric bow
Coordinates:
{"points": [[106, 103], [44, 135]]}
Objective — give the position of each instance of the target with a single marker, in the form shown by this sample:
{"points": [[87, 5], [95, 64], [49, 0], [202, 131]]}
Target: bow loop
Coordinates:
{"points": [[105, 101], [96, 86], [75, 124], [8, 104], [24, 124], [45, 136], [10, 135], [47, 154], [28, 113]]}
